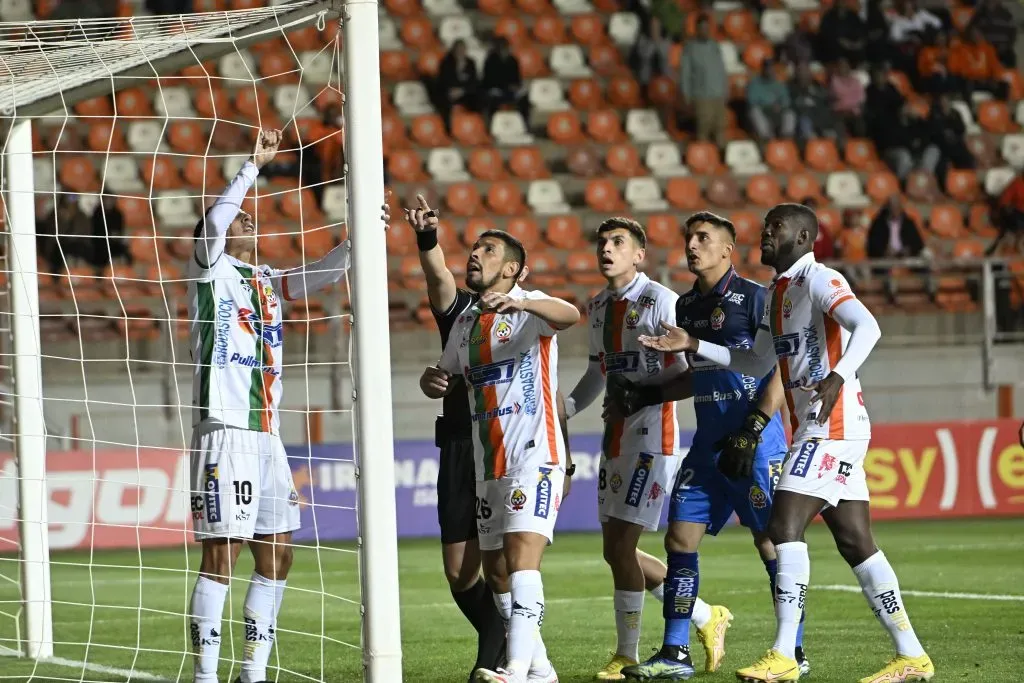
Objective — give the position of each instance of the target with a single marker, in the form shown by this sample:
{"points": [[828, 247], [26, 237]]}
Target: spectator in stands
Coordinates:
{"points": [[883, 101], [72, 229], [769, 107], [876, 28], [705, 84], [1009, 214], [848, 97], [934, 67], [947, 132], [798, 46], [824, 244], [910, 28], [851, 246], [893, 233], [997, 26], [649, 56], [975, 62], [905, 144], [503, 81], [109, 242], [458, 83], [814, 117], [842, 34]]}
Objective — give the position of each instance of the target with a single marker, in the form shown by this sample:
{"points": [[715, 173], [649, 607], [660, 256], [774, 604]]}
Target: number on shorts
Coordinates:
{"points": [[684, 477], [483, 510], [243, 492], [602, 480]]}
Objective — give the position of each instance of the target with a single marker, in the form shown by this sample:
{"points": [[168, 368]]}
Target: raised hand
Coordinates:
{"points": [[434, 382], [267, 143], [827, 393], [422, 218], [385, 210], [675, 340], [502, 303]]}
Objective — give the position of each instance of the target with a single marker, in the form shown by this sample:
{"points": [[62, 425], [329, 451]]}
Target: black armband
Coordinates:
{"points": [[426, 240]]}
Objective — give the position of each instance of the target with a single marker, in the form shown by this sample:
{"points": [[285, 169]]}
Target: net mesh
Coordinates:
{"points": [[138, 125]]}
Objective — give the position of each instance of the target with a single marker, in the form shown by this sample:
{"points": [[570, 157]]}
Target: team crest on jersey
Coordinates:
{"points": [[758, 498], [269, 295], [517, 501], [503, 332], [787, 308], [616, 483], [717, 318], [251, 322], [632, 319]]}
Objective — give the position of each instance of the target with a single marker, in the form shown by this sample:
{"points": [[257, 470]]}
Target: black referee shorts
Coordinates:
{"points": [[456, 492]]}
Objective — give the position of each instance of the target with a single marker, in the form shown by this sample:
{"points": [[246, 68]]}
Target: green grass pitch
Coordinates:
{"points": [[946, 568]]}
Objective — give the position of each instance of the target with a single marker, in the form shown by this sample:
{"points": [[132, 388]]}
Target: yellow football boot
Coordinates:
{"points": [[712, 637], [613, 669], [902, 668], [772, 667]]}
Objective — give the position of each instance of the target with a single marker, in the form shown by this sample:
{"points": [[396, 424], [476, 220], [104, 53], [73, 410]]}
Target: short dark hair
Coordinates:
{"points": [[714, 219], [803, 217], [627, 224], [513, 247]]}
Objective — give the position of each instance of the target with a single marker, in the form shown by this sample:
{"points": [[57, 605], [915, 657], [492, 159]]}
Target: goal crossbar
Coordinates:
{"points": [[94, 57]]}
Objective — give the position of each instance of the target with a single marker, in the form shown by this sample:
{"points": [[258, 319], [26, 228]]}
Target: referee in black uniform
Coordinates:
{"points": [[456, 478]]}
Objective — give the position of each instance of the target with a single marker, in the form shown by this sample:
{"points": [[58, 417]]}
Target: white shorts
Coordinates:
{"points": [[633, 487], [826, 469], [528, 501], [241, 484]]}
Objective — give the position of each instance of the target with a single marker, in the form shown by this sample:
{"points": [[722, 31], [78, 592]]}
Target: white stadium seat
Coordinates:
{"points": [[801, 5], [334, 201], [623, 28], [744, 158], [442, 8], [776, 25], [411, 99], [546, 95], [317, 66], [173, 103], [16, 10], [568, 62], [1020, 113], [445, 165], [971, 126], [644, 194], [43, 177], [545, 197], [146, 137], [230, 165], [509, 128], [122, 174], [570, 7], [238, 65], [644, 125], [845, 190], [996, 180], [456, 28], [175, 209], [1012, 150], [665, 160], [387, 33], [731, 57], [294, 100]]}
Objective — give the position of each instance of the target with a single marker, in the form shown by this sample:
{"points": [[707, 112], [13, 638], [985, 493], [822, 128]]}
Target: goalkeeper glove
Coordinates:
{"points": [[630, 397], [738, 449]]}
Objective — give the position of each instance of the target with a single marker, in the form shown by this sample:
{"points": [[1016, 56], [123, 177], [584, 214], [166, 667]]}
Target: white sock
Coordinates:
{"points": [[629, 609], [524, 626], [701, 614], [790, 592], [503, 601], [260, 614], [205, 612], [279, 596], [658, 592], [882, 589]]}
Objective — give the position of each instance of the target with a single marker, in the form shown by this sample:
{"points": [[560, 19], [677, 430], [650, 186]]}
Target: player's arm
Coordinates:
{"points": [[563, 422], [210, 233], [755, 362], [555, 314], [435, 382], [587, 389], [441, 287], [774, 395]]}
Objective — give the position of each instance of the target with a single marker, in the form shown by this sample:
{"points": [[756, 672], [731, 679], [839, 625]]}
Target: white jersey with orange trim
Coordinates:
{"points": [[510, 364], [809, 343], [617, 319]]}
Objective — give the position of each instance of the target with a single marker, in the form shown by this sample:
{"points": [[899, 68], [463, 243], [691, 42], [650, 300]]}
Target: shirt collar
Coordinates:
{"points": [[802, 262], [721, 287], [631, 291]]}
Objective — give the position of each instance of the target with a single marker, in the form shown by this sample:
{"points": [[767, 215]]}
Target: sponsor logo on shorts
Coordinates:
{"points": [[655, 492], [758, 498], [211, 485], [517, 501], [802, 461], [197, 508], [293, 498], [543, 505], [615, 483], [638, 482], [241, 516], [558, 501], [827, 464], [845, 469]]}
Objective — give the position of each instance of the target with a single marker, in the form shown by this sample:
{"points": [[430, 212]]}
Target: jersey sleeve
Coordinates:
{"points": [[213, 226], [827, 289], [450, 357], [539, 324], [759, 308], [446, 319], [298, 283]]}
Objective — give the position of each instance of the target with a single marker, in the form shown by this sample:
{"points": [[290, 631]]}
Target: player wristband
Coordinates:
{"points": [[571, 471], [426, 240], [756, 421]]}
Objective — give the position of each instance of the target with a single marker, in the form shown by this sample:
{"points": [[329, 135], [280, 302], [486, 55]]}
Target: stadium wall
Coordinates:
{"points": [[129, 498]]}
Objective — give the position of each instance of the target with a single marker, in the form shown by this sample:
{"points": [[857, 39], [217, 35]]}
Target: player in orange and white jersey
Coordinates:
{"points": [[820, 334], [505, 349]]}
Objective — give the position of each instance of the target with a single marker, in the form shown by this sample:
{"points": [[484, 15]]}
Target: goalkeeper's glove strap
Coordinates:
{"points": [[756, 421]]}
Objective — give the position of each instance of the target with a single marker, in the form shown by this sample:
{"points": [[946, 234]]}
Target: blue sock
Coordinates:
{"points": [[681, 584], [772, 567]]}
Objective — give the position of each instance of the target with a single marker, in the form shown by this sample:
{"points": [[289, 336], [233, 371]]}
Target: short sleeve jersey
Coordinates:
{"points": [[510, 366], [616, 322], [455, 408], [728, 315], [236, 342], [809, 342]]}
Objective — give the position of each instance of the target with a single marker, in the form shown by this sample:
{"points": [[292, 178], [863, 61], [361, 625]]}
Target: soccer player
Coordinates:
{"points": [[505, 349], [241, 484], [736, 452], [820, 334], [456, 478]]}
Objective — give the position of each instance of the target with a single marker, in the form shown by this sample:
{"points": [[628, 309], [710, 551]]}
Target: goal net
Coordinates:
{"points": [[118, 134]]}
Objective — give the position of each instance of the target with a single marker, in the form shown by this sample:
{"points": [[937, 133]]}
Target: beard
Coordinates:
{"points": [[476, 282]]}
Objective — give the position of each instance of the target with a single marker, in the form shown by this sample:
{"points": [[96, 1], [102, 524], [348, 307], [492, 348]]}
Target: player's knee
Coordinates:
{"points": [[783, 531], [679, 540], [217, 562], [764, 545], [283, 558], [855, 547]]}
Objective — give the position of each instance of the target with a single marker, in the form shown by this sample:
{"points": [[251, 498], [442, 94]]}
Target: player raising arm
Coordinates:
{"points": [[241, 484], [820, 335], [505, 349]]}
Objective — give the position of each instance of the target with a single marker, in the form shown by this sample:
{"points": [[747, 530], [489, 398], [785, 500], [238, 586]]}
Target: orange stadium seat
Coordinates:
{"points": [[428, 131], [403, 8], [512, 29], [550, 30], [585, 94], [495, 8], [275, 243], [740, 26], [464, 199], [299, 204], [528, 163], [782, 155], [963, 185], [582, 266], [764, 190], [308, 38], [662, 91], [882, 185], [588, 29], [393, 129], [485, 163], [922, 187], [603, 125], [1016, 82], [861, 155], [748, 227], [476, 227], [546, 270], [137, 211], [96, 106], [821, 155], [278, 67], [663, 230], [246, 4], [429, 62], [412, 272], [105, 134], [395, 65], [187, 136], [980, 221], [534, 6], [723, 191], [418, 33], [583, 162], [683, 193], [962, 17], [830, 217], [624, 161], [401, 239], [505, 199], [469, 129], [606, 60], [968, 249], [202, 172], [524, 229], [624, 92], [946, 221], [703, 158], [405, 166], [564, 128], [799, 186], [77, 173], [983, 149], [994, 116], [676, 262], [603, 196], [532, 62], [160, 172], [565, 232], [212, 103], [756, 53], [133, 103], [314, 244]]}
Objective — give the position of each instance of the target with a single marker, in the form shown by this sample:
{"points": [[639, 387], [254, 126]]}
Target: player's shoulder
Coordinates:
{"points": [[655, 291], [820, 277], [535, 294], [744, 291]]}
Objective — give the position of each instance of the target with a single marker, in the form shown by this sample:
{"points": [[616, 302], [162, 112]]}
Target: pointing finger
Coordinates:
{"points": [[423, 202]]}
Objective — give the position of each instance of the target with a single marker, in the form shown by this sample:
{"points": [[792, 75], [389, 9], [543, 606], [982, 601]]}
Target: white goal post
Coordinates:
{"points": [[47, 66]]}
